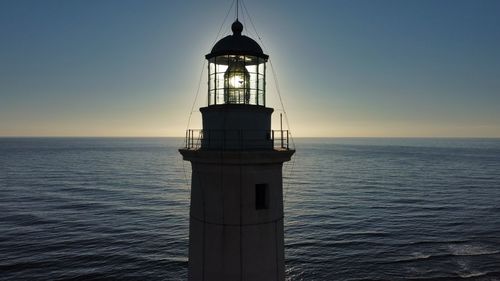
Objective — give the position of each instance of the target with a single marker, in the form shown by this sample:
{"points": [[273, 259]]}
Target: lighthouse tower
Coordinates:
{"points": [[236, 213]]}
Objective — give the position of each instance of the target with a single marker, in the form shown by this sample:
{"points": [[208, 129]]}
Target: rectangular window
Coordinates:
{"points": [[261, 196]]}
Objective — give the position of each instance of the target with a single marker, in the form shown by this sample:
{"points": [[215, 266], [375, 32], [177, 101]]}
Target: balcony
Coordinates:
{"points": [[237, 140]]}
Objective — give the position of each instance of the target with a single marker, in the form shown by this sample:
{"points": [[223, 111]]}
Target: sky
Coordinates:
{"points": [[344, 68]]}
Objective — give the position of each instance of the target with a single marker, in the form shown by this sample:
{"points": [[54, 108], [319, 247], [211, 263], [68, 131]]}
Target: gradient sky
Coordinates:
{"points": [[400, 68]]}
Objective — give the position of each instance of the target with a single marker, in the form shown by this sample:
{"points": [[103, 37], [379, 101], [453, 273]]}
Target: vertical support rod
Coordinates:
{"points": [[216, 90], [287, 140], [257, 82], [281, 128], [264, 86], [208, 83], [272, 136]]}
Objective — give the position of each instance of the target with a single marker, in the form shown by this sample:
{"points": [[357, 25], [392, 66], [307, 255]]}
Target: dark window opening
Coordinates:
{"points": [[261, 196]]}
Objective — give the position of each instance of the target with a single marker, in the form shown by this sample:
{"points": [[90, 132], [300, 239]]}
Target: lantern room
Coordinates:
{"points": [[237, 70]]}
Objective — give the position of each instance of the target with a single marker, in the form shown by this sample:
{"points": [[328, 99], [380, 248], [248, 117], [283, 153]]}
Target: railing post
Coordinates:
{"points": [[272, 137], [287, 140], [200, 138], [281, 138]]}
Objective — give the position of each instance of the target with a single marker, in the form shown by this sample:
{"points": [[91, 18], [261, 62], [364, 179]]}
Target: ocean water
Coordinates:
{"points": [[356, 209]]}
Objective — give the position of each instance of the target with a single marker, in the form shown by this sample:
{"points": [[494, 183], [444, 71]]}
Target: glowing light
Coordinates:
{"points": [[236, 81]]}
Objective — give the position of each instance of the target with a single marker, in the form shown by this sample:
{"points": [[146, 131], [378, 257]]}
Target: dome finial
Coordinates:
{"points": [[237, 27], [237, 8]]}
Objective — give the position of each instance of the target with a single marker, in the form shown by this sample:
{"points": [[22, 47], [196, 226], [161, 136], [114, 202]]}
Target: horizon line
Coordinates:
{"points": [[297, 137]]}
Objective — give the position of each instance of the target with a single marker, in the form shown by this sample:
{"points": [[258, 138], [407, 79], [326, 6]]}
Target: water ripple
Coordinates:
{"points": [[356, 209]]}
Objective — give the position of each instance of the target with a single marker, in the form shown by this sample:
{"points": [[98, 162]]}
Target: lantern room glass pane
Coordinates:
{"points": [[236, 79]]}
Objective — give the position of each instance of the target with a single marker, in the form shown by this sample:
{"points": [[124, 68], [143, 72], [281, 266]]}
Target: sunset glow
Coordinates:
{"points": [[344, 68]]}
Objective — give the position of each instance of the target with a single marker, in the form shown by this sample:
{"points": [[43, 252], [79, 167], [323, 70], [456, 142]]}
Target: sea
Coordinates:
{"points": [[355, 209]]}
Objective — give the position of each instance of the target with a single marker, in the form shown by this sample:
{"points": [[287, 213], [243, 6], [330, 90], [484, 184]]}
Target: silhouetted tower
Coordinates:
{"points": [[236, 213]]}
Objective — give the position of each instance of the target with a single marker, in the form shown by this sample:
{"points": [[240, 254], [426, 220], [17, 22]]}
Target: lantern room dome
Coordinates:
{"points": [[237, 44]]}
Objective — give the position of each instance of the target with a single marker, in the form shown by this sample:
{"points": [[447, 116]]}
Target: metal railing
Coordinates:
{"points": [[237, 139]]}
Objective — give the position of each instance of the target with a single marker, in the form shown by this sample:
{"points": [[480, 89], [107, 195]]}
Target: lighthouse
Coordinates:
{"points": [[236, 212]]}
